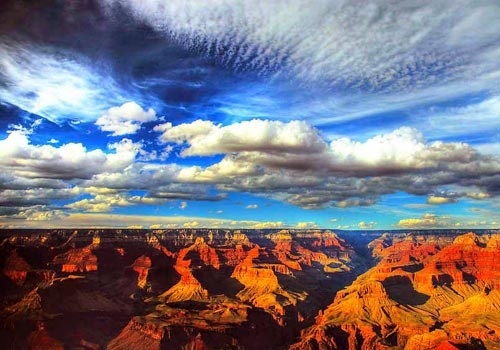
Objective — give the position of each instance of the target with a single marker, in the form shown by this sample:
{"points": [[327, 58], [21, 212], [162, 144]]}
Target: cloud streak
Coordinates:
{"points": [[387, 47]]}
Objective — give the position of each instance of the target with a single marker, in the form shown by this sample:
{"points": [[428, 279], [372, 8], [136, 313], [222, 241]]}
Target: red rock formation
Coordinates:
{"points": [[142, 265], [189, 288], [408, 301], [16, 268], [138, 334], [262, 288], [233, 256], [77, 260]]}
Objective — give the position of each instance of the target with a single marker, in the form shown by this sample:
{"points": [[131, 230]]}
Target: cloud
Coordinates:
{"points": [[265, 224], [126, 119], [440, 200], [306, 224], [205, 138], [41, 213], [300, 168], [355, 202], [367, 225], [479, 118], [68, 161], [362, 46], [191, 224], [54, 83], [428, 220], [100, 203], [478, 195], [252, 206], [431, 221]]}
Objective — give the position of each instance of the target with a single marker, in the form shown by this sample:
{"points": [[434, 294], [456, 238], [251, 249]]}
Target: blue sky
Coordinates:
{"points": [[305, 114]]}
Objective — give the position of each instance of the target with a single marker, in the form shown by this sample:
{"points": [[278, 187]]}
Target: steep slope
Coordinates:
{"points": [[188, 287], [425, 293], [77, 260]]}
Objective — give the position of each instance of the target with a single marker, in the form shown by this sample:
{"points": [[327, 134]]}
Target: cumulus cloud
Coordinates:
{"points": [[440, 200], [306, 224], [68, 161], [297, 145], [206, 138], [126, 119], [109, 220], [293, 163], [428, 220], [100, 203], [367, 225], [290, 163], [344, 172], [191, 224]]}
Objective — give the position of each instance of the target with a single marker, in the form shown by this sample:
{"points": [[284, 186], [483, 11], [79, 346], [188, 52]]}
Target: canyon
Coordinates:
{"points": [[196, 289]]}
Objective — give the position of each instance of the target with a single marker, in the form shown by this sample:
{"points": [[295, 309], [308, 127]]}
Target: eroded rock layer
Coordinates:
{"points": [[426, 292], [248, 289]]}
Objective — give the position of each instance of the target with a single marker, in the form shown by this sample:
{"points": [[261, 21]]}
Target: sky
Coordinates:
{"points": [[351, 115]]}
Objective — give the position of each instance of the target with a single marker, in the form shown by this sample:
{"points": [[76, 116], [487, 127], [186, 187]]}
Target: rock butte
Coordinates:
{"points": [[248, 289]]}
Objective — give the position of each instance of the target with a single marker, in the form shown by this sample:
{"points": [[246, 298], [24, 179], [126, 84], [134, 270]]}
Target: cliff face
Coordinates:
{"points": [[425, 293], [77, 260], [142, 265], [221, 289], [16, 268]]}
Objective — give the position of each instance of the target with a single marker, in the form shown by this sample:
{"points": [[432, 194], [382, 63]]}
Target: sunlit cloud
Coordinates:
{"points": [[126, 119]]}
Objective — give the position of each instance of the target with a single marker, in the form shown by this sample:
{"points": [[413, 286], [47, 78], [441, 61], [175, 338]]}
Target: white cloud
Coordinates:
{"points": [[252, 206], [205, 138], [52, 84], [85, 220], [100, 203], [428, 220], [306, 224], [440, 200], [308, 172], [474, 118], [191, 224], [126, 119], [68, 161], [369, 45], [367, 225]]}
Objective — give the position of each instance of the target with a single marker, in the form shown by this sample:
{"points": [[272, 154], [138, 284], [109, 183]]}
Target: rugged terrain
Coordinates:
{"points": [[270, 289]]}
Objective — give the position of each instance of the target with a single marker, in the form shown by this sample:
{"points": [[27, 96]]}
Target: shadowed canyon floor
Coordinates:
{"points": [[267, 289]]}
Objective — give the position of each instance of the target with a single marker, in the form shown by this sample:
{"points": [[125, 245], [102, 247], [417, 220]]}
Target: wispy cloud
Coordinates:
{"points": [[388, 56]]}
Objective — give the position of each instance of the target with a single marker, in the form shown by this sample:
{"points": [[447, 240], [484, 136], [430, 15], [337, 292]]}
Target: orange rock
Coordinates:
{"points": [[16, 268], [77, 260], [142, 265]]}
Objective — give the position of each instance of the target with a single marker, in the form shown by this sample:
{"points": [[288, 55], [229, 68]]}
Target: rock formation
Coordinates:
{"points": [[423, 294], [243, 289], [16, 268]]}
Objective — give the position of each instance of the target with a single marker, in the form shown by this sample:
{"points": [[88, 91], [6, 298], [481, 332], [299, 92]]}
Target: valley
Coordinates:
{"points": [[249, 289]]}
